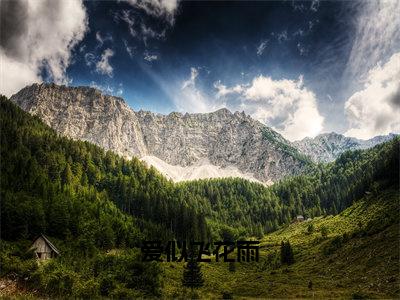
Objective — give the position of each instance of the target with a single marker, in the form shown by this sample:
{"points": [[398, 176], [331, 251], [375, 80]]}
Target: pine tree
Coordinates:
{"points": [[232, 266], [310, 228], [192, 275], [286, 253], [290, 258], [67, 175]]}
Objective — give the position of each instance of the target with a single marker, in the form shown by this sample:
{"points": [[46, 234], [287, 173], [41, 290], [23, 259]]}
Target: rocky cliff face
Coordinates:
{"points": [[328, 146], [221, 138], [85, 114]]}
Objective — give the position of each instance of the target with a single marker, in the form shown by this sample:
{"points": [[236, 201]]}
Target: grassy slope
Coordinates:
{"points": [[366, 264]]}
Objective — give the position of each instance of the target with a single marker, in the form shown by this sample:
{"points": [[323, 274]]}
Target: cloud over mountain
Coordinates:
{"points": [[37, 39], [375, 109], [285, 105], [103, 65], [377, 35]]}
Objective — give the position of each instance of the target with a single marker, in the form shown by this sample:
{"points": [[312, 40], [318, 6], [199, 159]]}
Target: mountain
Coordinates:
{"points": [[327, 147], [221, 143], [98, 207]]}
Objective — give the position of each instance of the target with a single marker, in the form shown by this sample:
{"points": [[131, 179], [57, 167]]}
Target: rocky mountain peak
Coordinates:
{"points": [[222, 112], [223, 139], [216, 143], [327, 147]]}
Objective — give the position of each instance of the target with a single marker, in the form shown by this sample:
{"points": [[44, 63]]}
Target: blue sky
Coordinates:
{"points": [[301, 67], [224, 40]]}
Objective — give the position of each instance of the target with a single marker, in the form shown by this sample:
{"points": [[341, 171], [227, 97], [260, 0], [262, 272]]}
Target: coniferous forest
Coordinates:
{"points": [[98, 208]]}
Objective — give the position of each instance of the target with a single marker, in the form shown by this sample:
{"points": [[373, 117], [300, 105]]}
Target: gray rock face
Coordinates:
{"points": [[328, 146], [222, 138], [85, 114]]}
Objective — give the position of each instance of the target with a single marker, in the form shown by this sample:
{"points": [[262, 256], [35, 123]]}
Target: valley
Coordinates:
{"points": [[170, 149], [102, 206]]}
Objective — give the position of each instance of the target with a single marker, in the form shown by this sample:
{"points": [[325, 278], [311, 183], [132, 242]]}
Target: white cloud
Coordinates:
{"points": [[303, 51], [148, 32], [129, 20], [38, 35], [298, 7], [102, 39], [107, 89], [224, 90], [299, 32], [89, 59], [285, 105], [375, 109], [129, 49], [377, 36], [282, 36], [103, 65], [120, 91], [149, 57], [192, 79], [314, 5], [261, 47], [15, 75], [165, 9], [311, 24], [189, 98], [148, 19]]}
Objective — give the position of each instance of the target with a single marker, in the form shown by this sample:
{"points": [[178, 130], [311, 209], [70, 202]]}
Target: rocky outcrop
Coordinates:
{"points": [[221, 138], [85, 114]]}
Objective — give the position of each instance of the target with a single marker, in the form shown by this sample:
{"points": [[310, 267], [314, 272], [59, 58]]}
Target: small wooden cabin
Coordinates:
{"points": [[43, 248], [298, 218]]}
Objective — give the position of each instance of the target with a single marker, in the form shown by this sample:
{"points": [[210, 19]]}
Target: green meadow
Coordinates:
{"points": [[358, 258]]}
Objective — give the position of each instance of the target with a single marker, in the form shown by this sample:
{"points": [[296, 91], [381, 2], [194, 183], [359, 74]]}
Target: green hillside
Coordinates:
{"points": [[358, 258], [49, 182], [247, 208], [97, 208]]}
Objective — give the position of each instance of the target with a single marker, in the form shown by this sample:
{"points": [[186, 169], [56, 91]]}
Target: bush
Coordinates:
{"points": [[86, 289], [232, 266], [286, 253], [121, 292], [310, 228], [324, 231], [334, 244], [12, 264], [227, 295], [358, 295], [107, 284], [60, 282]]}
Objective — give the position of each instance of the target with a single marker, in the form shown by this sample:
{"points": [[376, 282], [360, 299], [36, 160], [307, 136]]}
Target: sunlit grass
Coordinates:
{"points": [[365, 264]]}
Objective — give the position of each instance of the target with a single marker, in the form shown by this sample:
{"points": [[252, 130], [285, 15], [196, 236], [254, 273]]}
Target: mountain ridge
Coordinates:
{"points": [[326, 147], [232, 143], [224, 138]]}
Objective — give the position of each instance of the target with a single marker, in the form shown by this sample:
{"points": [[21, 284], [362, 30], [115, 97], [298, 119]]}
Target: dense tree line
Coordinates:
{"points": [[91, 200], [238, 207], [62, 187]]}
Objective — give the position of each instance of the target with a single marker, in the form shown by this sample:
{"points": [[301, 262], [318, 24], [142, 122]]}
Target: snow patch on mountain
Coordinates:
{"points": [[201, 170]]}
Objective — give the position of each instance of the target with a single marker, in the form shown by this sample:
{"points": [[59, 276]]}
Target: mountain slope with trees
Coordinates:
{"points": [[352, 255], [48, 169], [47, 179], [97, 207], [250, 208], [221, 138]]}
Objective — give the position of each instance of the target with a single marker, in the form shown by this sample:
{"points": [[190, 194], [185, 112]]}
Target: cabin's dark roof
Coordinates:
{"points": [[49, 243]]}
